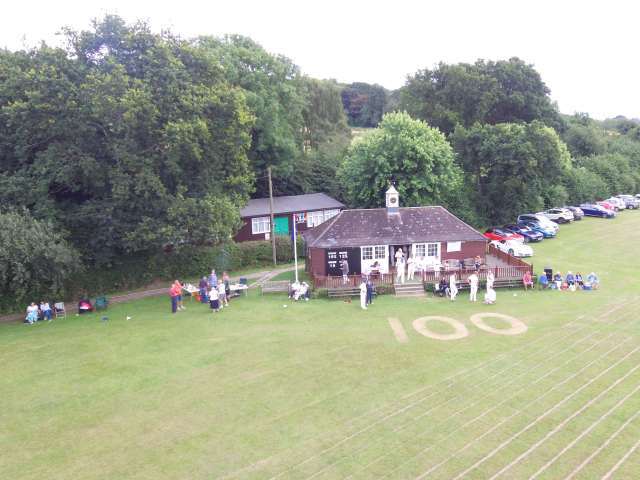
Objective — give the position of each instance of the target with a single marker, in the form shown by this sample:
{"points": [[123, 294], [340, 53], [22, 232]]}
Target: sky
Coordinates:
{"points": [[587, 52]]}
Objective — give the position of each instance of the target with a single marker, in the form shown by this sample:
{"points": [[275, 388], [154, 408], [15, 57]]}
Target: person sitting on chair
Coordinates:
{"points": [[442, 288], [579, 280], [543, 281], [32, 314], [593, 280], [527, 281], [557, 281]]}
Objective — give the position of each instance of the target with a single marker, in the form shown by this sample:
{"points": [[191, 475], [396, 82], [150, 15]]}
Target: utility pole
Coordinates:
{"points": [[273, 226]]}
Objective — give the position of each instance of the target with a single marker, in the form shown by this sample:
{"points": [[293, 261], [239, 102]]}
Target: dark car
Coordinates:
{"points": [[578, 214], [529, 234], [597, 211], [545, 230]]}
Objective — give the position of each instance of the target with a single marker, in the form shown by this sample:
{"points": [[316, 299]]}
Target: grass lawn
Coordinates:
{"points": [[325, 390]]}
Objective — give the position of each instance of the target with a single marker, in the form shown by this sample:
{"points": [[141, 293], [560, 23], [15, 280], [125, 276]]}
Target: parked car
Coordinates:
{"points": [[617, 202], [578, 214], [539, 219], [515, 249], [607, 205], [500, 234], [559, 215], [630, 201], [529, 234], [536, 227], [591, 210]]}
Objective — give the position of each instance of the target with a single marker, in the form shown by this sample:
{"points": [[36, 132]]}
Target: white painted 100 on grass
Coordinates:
{"points": [[420, 325]]}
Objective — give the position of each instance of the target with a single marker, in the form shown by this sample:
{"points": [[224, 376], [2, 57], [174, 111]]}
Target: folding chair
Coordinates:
{"points": [[101, 303], [59, 310]]}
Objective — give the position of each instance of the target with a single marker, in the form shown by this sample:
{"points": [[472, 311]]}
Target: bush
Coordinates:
{"points": [[320, 293], [384, 289]]}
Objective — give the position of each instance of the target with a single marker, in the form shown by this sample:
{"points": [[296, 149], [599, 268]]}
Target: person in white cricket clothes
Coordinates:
{"points": [[473, 287], [363, 294], [490, 279], [411, 267], [453, 288], [400, 265]]}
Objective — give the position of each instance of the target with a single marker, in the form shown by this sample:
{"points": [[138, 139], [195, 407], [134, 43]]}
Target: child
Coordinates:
{"points": [[227, 286], [46, 311], [214, 299], [222, 293]]}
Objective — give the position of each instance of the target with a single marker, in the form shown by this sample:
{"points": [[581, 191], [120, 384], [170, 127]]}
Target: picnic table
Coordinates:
{"points": [[238, 288]]}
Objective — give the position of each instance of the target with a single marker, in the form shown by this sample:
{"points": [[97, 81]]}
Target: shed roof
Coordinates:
{"points": [[289, 204], [354, 228]]}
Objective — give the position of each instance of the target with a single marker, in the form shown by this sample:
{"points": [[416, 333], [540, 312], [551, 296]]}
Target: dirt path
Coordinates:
{"points": [[259, 277]]}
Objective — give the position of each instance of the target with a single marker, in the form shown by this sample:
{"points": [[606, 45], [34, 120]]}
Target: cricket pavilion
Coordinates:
{"points": [[368, 240]]}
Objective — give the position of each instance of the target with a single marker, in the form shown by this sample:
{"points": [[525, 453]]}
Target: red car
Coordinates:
{"points": [[501, 234], [608, 206]]}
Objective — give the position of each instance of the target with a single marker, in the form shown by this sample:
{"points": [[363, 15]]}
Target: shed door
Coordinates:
{"points": [[281, 225]]}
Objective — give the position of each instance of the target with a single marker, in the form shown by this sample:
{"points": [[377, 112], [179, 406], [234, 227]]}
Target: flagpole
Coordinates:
{"points": [[295, 247]]}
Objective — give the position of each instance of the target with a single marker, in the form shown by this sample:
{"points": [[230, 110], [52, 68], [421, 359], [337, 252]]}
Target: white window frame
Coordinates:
{"points": [[315, 218], [436, 245], [370, 254], [454, 246], [260, 225], [380, 252], [366, 253], [331, 213]]}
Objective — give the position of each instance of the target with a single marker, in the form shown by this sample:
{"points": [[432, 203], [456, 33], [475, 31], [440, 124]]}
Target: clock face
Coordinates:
{"points": [[393, 200]]}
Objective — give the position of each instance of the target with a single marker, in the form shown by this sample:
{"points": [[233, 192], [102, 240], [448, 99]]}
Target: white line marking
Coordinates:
{"points": [[398, 330], [603, 446], [608, 475], [541, 417], [584, 432]]}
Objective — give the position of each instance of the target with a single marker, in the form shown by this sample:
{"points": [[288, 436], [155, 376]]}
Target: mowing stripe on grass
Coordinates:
{"points": [[532, 402], [613, 470], [584, 432], [496, 406], [563, 424], [606, 443], [446, 401], [403, 409], [398, 330], [452, 432], [543, 416]]}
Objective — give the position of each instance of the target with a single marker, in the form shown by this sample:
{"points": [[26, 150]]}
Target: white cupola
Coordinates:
{"points": [[392, 200]]}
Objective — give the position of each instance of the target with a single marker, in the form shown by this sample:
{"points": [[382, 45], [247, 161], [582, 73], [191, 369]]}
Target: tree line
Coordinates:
{"points": [[126, 142]]}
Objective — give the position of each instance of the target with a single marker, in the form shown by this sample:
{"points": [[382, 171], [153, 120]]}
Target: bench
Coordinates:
{"points": [[508, 283], [345, 292], [276, 286]]}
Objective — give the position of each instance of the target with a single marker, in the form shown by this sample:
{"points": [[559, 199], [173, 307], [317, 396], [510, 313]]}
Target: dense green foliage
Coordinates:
{"points": [[35, 260], [364, 104], [484, 92], [518, 167], [416, 157]]}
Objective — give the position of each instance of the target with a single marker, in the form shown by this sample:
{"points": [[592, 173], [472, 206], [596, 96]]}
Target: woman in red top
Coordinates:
{"points": [[175, 292]]}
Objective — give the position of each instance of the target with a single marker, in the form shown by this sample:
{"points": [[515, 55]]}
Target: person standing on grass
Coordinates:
{"points": [[223, 295], [213, 279], [344, 267], [227, 286], [453, 288], [214, 299], [202, 287], [174, 293], [363, 295], [179, 289], [473, 286], [369, 291], [490, 279]]}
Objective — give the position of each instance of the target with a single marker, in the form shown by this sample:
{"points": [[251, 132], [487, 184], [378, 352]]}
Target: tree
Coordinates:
{"points": [[403, 150], [583, 136], [512, 168], [364, 104], [275, 96], [484, 92], [107, 138], [35, 260]]}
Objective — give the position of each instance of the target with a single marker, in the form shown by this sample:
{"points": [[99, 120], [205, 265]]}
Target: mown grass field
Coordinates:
{"points": [[325, 390]]}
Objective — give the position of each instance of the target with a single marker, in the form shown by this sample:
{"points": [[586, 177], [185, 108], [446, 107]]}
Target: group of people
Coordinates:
{"points": [[216, 292], [38, 312], [449, 287], [367, 288], [571, 282], [298, 290]]}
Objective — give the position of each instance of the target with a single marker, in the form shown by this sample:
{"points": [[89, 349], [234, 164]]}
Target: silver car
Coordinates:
{"points": [[630, 201]]}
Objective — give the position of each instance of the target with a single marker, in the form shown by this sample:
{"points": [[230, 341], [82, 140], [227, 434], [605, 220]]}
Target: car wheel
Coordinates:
{"points": [[526, 239], [511, 252]]}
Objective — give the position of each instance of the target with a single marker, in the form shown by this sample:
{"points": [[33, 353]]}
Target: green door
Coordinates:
{"points": [[281, 225]]}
